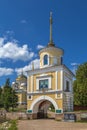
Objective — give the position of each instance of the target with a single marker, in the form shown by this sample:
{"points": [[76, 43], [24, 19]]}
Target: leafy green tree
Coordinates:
{"points": [[80, 86], [9, 97]]}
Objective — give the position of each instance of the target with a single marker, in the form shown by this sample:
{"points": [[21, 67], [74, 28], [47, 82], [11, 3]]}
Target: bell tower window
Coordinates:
{"points": [[46, 60]]}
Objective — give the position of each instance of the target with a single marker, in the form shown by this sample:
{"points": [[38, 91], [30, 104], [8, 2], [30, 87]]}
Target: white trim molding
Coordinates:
{"points": [[43, 78], [28, 83], [29, 98], [56, 80], [70, 83], [41, 98], [32, 83], [58, 95], [43, 66], [48, 91], [61, 79]]}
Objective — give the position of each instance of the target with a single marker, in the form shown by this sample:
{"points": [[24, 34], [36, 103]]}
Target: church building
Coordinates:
{"points": [[20, 87], [52, 83]]}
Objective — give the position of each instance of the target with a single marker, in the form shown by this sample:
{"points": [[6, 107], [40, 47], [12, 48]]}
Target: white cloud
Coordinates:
{"points": [[6, 71], [74, 67], [23, 21], [13, 51], [40, 46], [74, 64], [1, 41], [36, 63]]}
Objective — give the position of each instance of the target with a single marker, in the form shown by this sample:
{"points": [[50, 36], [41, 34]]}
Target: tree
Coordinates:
{"points": [[14, 99], [9, 97], [1, 101], [80, 86]]}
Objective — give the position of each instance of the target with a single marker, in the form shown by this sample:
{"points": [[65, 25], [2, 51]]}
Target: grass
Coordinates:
{"points": [[13, 125], [82, 121], [53, 110], [9, 125]]}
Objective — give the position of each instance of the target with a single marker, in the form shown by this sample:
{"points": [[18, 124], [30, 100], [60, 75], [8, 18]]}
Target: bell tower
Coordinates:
{"points": [[51, 55], [48, 84]]}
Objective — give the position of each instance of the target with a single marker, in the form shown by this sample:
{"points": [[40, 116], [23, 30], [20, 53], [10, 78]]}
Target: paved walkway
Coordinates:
{"points": [[47, 124]]}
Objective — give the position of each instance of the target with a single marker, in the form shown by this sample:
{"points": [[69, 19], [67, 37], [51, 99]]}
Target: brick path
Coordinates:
{"points": [[47, 124]]}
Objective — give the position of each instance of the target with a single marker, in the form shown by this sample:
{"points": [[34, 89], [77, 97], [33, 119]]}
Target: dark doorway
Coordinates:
{"points": [[40, 114], [44, 111]]}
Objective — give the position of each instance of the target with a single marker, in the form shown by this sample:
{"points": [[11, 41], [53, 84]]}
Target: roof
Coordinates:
{"points": [[52, 48], [21, 77]]}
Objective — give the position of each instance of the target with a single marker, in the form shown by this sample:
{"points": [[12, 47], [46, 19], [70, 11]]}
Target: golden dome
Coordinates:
{"points": [[21, 77]]}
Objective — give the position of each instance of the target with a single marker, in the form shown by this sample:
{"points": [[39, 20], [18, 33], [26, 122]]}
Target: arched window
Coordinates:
{"points": [[45, 59]]}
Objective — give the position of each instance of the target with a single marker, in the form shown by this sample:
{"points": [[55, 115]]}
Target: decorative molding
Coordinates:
{"points": [[47, 49], [43, 75], [41, 98], [45, 70], [56, 96], [28, 97], [50, 69], [43, 78], [46, 92]]}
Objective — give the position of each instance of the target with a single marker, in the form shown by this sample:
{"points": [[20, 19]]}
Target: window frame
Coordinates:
{"points": [[46, 59], [67, 86], [43, 78], [70, 84], [43, 83]]}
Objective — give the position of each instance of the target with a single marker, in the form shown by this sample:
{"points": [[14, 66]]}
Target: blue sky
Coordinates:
{"points": [[24, 29]]}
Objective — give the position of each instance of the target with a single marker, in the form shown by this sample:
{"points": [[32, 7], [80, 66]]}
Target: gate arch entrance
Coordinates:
{"points": [[41, 105]]}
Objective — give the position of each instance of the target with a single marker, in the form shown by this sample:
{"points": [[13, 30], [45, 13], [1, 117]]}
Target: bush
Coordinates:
{"points": [[13, 125]]}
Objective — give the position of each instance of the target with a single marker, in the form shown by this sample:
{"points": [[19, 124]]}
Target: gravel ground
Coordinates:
{"points": [[48, 124]]}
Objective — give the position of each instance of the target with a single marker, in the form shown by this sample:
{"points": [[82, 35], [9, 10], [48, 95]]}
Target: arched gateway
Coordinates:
{"points": [[51, 83], [40, 99], [40, 106]]}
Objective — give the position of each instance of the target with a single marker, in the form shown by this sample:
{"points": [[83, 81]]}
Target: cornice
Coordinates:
{"points": [[51, 49], [46, 92], [50, 69], [44, 70]]}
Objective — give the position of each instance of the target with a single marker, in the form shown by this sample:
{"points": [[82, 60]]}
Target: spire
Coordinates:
{"points": [[51, 40]]}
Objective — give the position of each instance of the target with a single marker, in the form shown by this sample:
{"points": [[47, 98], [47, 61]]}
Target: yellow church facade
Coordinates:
{"points": [[52, 83]]}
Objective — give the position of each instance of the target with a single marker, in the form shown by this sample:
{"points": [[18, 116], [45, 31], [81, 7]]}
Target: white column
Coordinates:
{"points": [[56, 80], [28, 84], [61, 79], [56, 83], [32, 84]]}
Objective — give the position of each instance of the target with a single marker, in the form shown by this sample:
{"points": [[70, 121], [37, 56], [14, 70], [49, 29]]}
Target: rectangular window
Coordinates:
{"points": [[43, 83], [67, 86]]}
